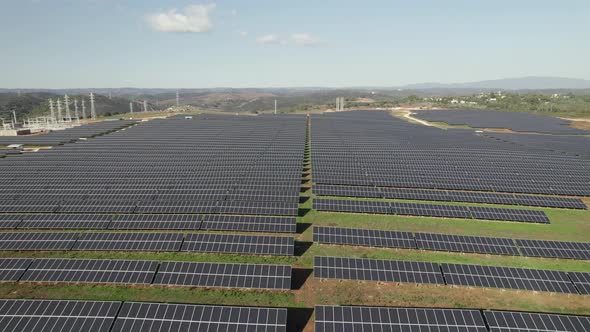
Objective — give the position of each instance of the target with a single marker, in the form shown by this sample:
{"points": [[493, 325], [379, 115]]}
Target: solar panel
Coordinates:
{"points": [[66, 221], [239, 244], [49, 315], [37, 241], [369, 319], [506, 277], [429, 210], [376, 270], [461, 243], [509, 214], [249, 223], [129, 241], [91, 271], [511, 321], [8, 221], [224, 275], [156, 221], [140, 317], [363, 237], [554, 249], [582, 281], [11, 269]]}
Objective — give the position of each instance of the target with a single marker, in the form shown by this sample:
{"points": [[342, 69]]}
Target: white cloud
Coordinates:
{"points": [[304, 39], [268, 39], [194, 18]]}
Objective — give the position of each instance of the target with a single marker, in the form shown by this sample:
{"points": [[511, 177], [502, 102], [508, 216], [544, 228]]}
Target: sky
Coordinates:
{"points": [[278, 43]]}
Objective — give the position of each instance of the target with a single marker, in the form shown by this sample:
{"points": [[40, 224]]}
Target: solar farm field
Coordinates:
{"points": [[347, 221]]}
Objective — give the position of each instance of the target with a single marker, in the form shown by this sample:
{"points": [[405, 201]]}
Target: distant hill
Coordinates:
{"points": [[523, 83]]}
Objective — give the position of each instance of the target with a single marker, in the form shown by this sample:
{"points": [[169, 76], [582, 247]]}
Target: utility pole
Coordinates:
{"points": [[14, 123], [59, 118], [76, 110], [51, 110], [275, 107], [83, 109], [131, 107], [68, 115], [92, 109]]}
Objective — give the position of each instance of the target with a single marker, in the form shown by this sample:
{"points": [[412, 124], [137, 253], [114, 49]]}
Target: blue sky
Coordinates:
{"points": [[192, 44]]}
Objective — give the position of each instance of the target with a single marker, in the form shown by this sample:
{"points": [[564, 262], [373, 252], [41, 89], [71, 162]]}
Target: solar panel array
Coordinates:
{"points": [[365, 319], [68, 134], [369, 319], [515, 121], [505, 277], [453, 243], [12, 269], [90, 271], [444, 274], [573, 145], [582, 281], [554, 249], [257, 276], [512, 321], [99, 316], [449, 196], [429, 210], [374, 149], [51, 315], [213, 173], [98, 271], [240, 244], [140, 317], [266, 224], [201, 242], [376, 270]]}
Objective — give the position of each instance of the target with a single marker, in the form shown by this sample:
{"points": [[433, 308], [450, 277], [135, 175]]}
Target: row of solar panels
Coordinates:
{"points": [[371, 319], [515, 121], [451, 274], [95, 316], [523, 185], [127, 272], [153, 207], [67, 135], [430, 210], [202, 242], [66, 197], [453, 243], [150, 222], [103, 316], [448, 196]]}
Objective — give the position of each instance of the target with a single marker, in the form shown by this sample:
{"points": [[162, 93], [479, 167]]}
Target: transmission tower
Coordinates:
{"points": [[92, 109], [76, 110], [131, 107], [51, 109], [145, 105], [83, 109], [68, 115], [59, 118], [177, 99]]}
